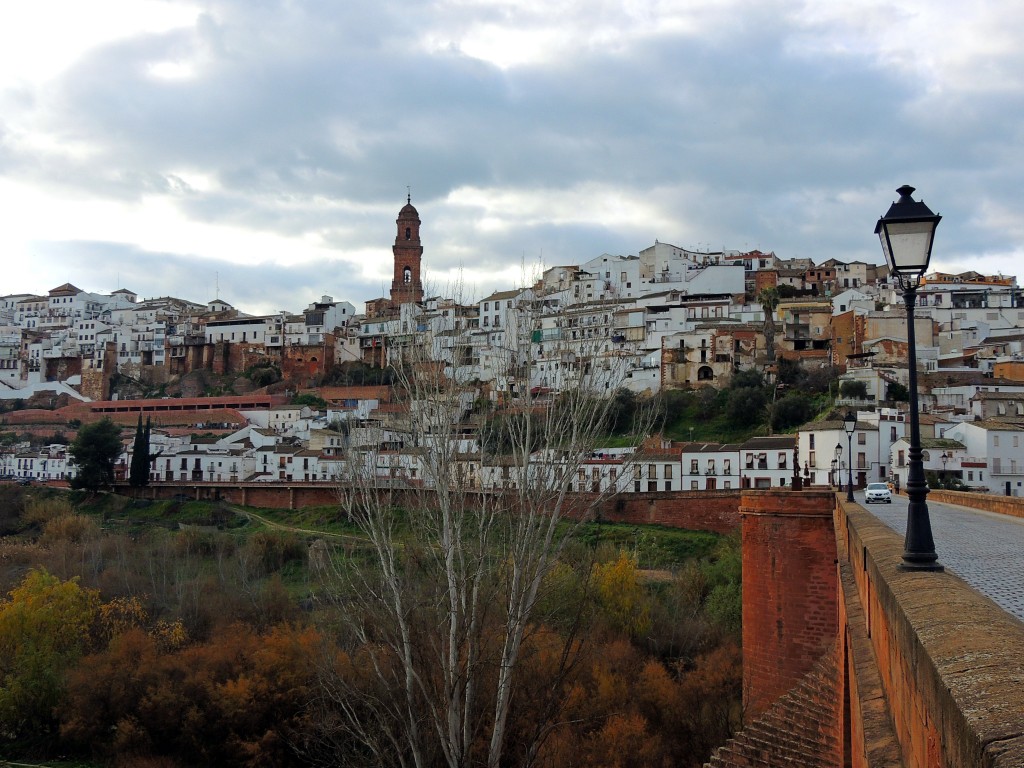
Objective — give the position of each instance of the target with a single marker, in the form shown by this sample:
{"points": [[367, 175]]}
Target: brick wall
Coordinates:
{"points": [[789, 590], [716, 511]]}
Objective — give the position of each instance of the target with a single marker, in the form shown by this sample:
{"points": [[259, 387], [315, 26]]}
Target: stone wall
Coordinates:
{"points": [[1003, 505], [948, 659]]}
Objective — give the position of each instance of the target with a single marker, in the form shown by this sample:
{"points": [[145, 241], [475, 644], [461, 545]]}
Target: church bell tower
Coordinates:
{"points": [[406, 287]]}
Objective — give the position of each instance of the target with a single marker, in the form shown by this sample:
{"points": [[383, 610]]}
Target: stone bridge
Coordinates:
{"points": [[848, 661]]}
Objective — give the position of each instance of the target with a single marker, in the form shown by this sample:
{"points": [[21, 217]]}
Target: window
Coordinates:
{"points": [[900, 462], [811, 461], [782, 460], [652, 471], [995, 440], [727, 466], [811, 446], [862, 438], [892, 434], [711, 466], [693, 485], [693, 467], [668, 471]]}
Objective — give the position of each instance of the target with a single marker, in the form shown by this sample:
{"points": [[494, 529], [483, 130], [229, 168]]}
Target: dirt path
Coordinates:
{"points": [[341, 537]]}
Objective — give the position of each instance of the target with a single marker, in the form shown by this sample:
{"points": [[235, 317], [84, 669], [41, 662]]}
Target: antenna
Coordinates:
{"points": [[408, 194]]}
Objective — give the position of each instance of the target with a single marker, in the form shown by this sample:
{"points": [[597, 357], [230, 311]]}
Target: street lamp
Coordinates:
{"points": [[849, 425], [906, 232], [945, 458], [839, 465], [832, 473]]}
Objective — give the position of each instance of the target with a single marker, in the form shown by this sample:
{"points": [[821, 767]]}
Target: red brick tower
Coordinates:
{"points": [[406, 286]]}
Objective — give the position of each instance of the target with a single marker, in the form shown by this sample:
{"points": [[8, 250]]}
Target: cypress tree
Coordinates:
{"points": [[149, 456], [138, 472]]}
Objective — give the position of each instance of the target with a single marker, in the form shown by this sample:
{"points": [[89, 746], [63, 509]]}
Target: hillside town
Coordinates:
{"points": [[223, 388]]}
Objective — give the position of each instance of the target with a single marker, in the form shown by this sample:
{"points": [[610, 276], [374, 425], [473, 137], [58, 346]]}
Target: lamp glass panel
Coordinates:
{"points": [[908, 246]]}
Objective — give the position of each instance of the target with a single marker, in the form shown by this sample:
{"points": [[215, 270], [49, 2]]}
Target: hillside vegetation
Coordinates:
{"points": [[184, 633]]}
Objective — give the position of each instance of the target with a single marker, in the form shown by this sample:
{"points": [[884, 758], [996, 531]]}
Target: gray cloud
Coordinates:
{"points": [[313, 118]]}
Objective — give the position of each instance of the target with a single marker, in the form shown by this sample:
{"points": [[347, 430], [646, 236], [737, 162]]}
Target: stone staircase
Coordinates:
{"points": [[800, 729]]}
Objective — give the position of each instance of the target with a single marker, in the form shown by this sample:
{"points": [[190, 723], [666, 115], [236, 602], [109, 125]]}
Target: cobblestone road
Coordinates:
{"points": [[984, 549]]}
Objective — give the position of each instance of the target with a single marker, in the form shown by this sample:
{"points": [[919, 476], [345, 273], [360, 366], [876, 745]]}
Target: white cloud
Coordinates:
{"points": [[42, 38]]}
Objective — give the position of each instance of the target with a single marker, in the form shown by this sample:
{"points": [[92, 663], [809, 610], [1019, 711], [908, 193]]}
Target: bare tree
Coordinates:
{"points": [[468, 496]]}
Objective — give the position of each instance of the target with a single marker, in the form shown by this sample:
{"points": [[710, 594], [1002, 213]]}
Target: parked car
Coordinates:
{"points": [[878, 492]]}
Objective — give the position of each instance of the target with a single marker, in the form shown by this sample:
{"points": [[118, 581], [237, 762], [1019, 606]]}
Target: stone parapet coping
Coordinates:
{"points": [[988, 502]]}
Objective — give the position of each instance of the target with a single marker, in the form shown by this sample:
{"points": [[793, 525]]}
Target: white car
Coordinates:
{"points": [[877, 492]]}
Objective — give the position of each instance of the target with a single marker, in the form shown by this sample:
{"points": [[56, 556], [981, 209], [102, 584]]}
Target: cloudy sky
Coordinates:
{"points": [[261, 149]]}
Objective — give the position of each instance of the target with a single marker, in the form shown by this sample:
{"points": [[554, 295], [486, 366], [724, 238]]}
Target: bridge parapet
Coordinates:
{"points": [[949, 661]]}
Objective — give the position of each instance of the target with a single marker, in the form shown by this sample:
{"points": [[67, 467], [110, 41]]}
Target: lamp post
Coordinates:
{"points": [[849, 425], [839, 465], [906, 233], [945, 459], [832, 473]]}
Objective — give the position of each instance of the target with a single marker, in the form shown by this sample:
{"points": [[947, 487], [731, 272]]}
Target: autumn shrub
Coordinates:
{"points": [[45, 626], [237, 699], [271, 550], [71, 528], [41, 510], [623, 601], [120, 614]]}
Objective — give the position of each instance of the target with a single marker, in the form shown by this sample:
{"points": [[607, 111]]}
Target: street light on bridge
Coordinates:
{"points": [[838, 461], [849, 425], [907, 232]]}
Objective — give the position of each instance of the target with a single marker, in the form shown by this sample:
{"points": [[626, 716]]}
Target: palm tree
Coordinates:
{"points": [[769, 298]]}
